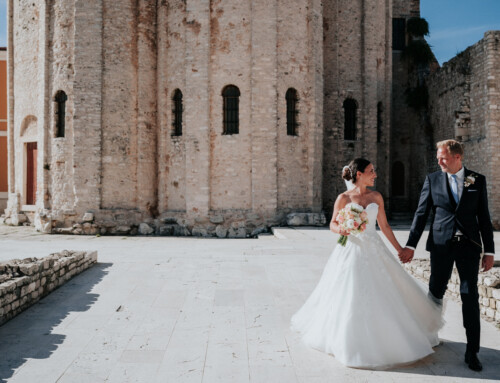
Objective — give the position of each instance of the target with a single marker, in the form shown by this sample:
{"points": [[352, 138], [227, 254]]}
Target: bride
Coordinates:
{"points": [[366, 309]]}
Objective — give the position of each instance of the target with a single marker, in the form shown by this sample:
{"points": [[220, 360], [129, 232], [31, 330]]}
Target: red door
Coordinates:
{"points": [[31, 155]]}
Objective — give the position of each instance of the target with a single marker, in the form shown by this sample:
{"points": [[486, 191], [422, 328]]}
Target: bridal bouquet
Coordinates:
{"points": [[352, 219]]}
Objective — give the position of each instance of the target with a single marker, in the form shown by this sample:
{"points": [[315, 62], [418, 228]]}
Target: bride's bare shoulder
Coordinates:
{"points": [[343, 198], [376, 197]]}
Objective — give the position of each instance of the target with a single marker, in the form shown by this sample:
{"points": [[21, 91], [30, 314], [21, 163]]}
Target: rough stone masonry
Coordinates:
{"points": [[117, 113], [24, 282]]}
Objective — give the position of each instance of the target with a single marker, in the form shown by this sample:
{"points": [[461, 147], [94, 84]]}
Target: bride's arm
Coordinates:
{"points": [[341, 201], [384, 225]]}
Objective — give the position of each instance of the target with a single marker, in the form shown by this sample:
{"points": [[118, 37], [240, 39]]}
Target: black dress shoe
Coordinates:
{"points": [[472, 361]]}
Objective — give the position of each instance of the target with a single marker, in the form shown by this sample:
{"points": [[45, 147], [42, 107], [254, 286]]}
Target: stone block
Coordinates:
{"points": [[495, 293], [217, 219], [492, 281], [489, 292], [490, 313], [29, 269], [259, 230], [145, 229], [180, 230], [88, 217], [165, 230], [122, 229], [199, 232], [306, 219], [221, 231], [237, 233], [482, 290]]}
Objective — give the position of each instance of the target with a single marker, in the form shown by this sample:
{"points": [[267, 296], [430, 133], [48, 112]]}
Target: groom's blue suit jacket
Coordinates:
{"points": [[470, 215]]}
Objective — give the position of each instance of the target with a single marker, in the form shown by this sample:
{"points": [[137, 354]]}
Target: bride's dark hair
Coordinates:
{"points": [[355, 166]]}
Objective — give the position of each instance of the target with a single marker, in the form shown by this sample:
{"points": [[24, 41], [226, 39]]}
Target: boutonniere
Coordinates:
{"points": [[469, 180]]}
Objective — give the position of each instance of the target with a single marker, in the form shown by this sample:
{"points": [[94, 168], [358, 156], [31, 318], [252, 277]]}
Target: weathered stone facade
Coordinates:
{"points": [[119, 168], [119, 65]]}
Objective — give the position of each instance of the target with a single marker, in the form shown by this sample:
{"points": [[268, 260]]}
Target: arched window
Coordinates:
{"points": [[291, 112], [379, 121], [231, 102], [60, 100], [177, 110], [398, 179], [350, 111]]}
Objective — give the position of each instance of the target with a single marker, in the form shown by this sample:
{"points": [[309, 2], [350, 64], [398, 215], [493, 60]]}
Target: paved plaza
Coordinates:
{"points": [[163, 309]]}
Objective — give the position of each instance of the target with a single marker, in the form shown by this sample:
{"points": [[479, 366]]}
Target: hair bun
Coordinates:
{"points": [[346, 173]]}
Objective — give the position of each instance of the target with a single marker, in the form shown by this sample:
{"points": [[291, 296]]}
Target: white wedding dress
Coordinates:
{"points": [[366, 309]]}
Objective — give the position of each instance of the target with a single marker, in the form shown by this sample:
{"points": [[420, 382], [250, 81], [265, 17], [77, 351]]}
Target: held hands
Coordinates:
{"points": [[487, 262], [406, 255]]}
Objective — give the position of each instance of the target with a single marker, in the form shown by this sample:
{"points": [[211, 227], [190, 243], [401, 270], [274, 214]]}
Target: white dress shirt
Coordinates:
{"points": [[460, 186]]}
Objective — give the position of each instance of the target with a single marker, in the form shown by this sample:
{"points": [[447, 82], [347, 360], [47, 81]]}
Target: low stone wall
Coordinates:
{"points": [[24, 282], [228, 224], [488, 286]]}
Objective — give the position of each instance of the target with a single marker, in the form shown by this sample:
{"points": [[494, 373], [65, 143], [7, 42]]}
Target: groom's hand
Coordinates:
{"points": [[487, 262], [406, 255]]}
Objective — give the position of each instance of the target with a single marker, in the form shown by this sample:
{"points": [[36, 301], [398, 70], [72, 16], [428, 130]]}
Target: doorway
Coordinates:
{"points": [[31, 157]]}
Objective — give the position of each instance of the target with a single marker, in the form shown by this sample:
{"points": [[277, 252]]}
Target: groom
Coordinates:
{"points": [[460, 221]]}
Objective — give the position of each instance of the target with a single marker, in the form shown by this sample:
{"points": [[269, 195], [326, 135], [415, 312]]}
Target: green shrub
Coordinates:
{"points": [[419, 52], [417, 26]]}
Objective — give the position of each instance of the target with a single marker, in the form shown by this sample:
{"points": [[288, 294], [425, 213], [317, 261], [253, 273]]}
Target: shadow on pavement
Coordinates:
{"points": [[29, 335], [448, 360]]}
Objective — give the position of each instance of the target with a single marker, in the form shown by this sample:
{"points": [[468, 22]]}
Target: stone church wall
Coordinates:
{"points": [[357, 65], [172, 71], [230, 157], [59, 175], [26, 122], [294, 71], [410, 138], [119, 64], [464, 104]]}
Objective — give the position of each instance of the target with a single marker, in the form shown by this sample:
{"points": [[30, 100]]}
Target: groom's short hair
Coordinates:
{"points": [[453, 146]]}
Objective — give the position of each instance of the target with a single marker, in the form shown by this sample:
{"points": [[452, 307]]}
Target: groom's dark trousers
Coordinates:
{"points": [[455, 236], [466, 259]]}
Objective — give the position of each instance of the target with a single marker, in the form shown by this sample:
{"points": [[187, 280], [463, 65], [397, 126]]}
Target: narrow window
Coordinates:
{"points": [[291, 112], [231, 101], [350, 111], [177, 113], [379, 121], [398, 179], [398, 34], [60, 100]]}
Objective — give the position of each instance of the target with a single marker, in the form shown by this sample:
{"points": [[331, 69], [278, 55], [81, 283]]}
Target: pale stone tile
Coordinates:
{"points": [[264, 374], [142, 356], [229, 297], [133, 373]]}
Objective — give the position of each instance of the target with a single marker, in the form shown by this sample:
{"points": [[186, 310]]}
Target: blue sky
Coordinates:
{"points": [[454, 24]]}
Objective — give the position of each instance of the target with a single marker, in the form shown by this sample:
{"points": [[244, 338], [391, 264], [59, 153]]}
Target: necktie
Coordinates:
{"points": [[454, 187]]}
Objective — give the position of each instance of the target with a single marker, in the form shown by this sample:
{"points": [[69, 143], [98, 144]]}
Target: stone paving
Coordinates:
{"points": [[162, 309]]}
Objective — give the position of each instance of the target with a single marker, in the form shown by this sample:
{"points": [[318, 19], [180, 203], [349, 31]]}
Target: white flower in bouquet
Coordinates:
{"points": [[352, 219]]}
